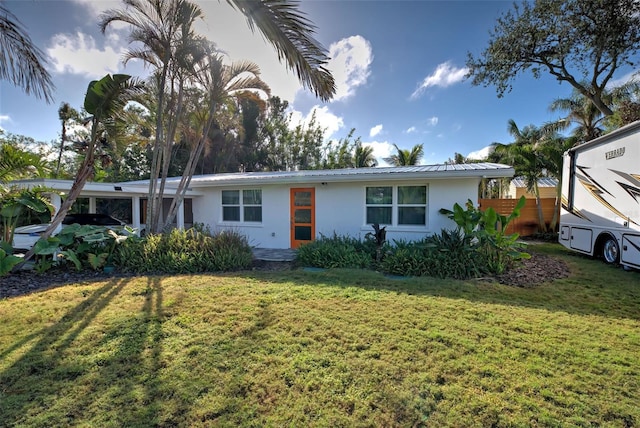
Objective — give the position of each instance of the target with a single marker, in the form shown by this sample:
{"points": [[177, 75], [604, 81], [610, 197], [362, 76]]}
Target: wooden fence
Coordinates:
{"points": [[527, 223]]}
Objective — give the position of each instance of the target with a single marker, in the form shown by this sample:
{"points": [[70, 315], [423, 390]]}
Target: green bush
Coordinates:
{"points": [[445, 255], [337, 252], [184, 251]]}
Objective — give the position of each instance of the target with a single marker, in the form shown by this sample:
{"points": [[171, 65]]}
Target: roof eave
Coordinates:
{"points": [[435, 175]]}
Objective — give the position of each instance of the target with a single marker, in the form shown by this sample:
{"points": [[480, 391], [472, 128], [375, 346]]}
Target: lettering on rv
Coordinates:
{"points": [[614, 153]]}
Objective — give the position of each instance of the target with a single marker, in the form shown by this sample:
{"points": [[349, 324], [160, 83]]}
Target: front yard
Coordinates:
{"points": [[332, 348]]}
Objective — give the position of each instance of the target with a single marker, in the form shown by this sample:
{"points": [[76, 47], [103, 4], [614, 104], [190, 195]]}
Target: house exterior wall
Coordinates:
{"points": [[339, 208]]}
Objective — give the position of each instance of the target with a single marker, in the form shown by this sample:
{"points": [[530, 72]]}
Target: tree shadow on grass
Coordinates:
{"points": [[592, 288], [31, 382], [51, 382]]}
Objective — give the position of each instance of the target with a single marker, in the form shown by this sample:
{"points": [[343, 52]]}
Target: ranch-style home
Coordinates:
{"points": [[285, 209]]}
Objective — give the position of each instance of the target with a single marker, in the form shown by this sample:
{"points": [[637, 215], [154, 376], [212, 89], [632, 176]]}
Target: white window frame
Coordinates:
{"points": [[241, 206], [395, 206]]}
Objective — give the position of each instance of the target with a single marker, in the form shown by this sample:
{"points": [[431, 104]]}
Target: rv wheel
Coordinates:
{"points": [[610, 250]]}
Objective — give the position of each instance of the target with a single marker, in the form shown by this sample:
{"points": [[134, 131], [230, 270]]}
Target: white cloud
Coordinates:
{"points": [[444, 75], [349, 64], [381, 149], [4, 118], [411, 130], [78, 54], [96, 7], [229, 30], [629, 77], [375, 130], [481, 154], [433, 121], [324, 118]]}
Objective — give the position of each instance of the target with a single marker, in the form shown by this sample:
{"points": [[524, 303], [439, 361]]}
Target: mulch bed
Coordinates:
{"points": [[538, 269]]}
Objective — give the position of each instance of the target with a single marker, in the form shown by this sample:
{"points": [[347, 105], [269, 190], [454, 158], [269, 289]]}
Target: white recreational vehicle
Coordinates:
{"points": [[601, 197]]}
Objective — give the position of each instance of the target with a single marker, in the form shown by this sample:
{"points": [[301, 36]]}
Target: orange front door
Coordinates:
{"points": [[302, 216]]}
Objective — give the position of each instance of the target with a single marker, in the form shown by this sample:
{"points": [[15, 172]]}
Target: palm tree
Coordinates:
{"points": [[405, 157], [552, 150], [525, 156], [221, 83], [582, 113], [21, 62], [160, 27], [363, 156]]}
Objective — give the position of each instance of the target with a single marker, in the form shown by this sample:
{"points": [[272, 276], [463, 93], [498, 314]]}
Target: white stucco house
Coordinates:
{"points": [[285, 209]]}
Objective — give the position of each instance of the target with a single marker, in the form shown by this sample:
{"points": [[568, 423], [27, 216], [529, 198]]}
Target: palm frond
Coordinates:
{"points": [[21, 62], [291, 34]]}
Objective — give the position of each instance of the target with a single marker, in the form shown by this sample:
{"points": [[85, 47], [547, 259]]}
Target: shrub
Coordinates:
{"points": [[446, 255], [184, 251], [337, 252], [485, 230]]}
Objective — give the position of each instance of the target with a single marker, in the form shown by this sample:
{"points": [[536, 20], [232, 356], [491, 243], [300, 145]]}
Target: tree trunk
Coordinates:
{"points": [[152, 203], [556, 207], [63, 137], [189, 170], [541, 222], [84, 174]]}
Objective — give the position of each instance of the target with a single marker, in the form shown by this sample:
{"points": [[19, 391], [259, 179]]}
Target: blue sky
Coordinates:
{"points": [[399, 68]]}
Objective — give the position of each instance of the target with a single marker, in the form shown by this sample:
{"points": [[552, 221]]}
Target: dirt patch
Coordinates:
{"points": [[538, 269]]}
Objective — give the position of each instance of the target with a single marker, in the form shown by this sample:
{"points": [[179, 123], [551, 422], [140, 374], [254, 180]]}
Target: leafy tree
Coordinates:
{"points": [[406, 157], [573, 40], [348, 153], [291, 147], [21, 62], [18, 162]]}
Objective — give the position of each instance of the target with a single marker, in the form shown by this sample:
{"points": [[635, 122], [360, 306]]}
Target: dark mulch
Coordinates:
{"points": [[538, 269]]}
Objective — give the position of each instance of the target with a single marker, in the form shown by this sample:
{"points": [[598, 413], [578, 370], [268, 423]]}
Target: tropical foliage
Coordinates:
{"points": [[406, 157], [164, 29], [104, 100], [21, 62]]}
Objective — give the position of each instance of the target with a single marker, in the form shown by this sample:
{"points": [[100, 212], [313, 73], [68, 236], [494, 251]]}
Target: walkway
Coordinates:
{"points": [[274, 254]]}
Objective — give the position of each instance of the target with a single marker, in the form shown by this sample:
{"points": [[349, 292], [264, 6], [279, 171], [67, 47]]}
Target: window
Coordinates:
{"points": [[412, 205], [379, 205], [397, 205], [242, 206]]}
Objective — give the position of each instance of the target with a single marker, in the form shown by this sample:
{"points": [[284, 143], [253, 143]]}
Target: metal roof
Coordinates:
{"points": [[91, 188], [482, 170], [542, 182]]}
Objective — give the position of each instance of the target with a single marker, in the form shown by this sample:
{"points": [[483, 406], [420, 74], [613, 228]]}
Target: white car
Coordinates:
{"points": [[25, 237]]}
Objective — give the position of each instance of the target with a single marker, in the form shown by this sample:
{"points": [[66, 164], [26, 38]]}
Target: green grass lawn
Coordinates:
{"points": [[333, 348]]}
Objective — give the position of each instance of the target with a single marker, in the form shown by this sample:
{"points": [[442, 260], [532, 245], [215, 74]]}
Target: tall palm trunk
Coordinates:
{"points": [[85, 172], [190, 168], [542, 224], [152, 204]]}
